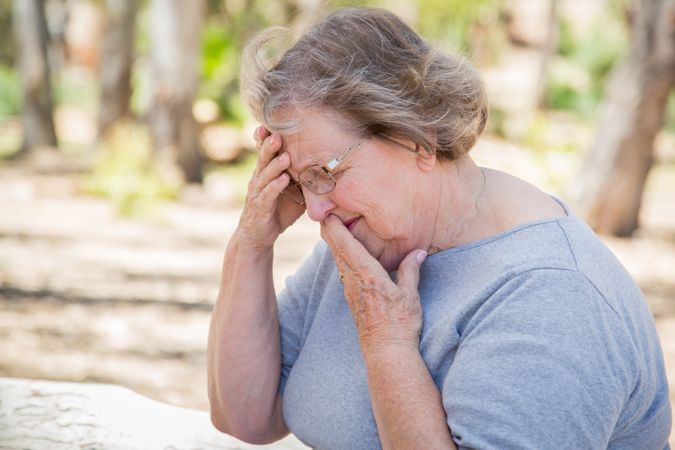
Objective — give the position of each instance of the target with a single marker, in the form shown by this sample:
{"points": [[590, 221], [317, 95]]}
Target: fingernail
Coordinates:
{"points": [[283, 157], [421, 256], [272, 139]]}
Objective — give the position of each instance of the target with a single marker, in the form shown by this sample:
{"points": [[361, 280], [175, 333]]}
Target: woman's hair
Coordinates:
{"points": [[370, 67]]}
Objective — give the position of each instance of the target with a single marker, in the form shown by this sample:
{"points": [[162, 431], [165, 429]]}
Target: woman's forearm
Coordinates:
{"points": [[243, 352], [406, 403]]}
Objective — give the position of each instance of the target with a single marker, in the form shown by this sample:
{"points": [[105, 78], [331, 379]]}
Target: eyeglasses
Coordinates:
{"points": [[318, 178]]}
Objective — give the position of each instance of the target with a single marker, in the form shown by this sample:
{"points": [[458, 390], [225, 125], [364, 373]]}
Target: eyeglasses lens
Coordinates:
{"points": [[294, 192], [317, 180]]}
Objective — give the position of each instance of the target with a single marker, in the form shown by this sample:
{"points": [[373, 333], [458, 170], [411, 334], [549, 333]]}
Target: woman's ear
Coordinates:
{"points": [[425, 159]]}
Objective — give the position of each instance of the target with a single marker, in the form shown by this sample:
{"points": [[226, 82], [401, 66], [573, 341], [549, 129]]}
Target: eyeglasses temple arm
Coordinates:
{"points": [[335, 161]]}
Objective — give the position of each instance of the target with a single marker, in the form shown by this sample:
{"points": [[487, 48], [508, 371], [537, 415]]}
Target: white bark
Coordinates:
{"points": [[175, 30], [30, 27], [65, 416], [117, 50]]}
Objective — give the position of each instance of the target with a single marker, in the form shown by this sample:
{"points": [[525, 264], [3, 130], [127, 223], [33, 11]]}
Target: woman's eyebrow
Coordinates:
{"points": [[313, 163]]}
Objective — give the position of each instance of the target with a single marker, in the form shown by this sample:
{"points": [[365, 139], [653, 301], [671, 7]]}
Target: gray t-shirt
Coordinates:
{"points": [[537, 338]]}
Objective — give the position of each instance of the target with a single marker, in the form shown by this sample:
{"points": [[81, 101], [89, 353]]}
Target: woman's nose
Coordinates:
{"points": [[318, 206]]}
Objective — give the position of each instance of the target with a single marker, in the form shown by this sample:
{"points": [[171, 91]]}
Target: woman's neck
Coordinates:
{"points": [[460, 204]]}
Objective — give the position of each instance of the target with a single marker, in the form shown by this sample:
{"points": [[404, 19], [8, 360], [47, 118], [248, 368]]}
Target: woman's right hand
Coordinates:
{"points": [[267, 213]]}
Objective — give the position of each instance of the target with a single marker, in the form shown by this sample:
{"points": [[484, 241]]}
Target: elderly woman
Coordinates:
{"points": [[448, 306]]}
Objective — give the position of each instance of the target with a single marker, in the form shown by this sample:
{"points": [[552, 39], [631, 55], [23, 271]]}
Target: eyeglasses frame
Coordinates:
{"points": [[328, 168]]}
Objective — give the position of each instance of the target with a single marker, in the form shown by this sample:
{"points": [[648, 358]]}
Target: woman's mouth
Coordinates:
{"points": [[352, 223]]}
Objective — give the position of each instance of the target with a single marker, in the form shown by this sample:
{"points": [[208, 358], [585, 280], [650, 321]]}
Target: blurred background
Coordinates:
{"points": [[125, 153]]}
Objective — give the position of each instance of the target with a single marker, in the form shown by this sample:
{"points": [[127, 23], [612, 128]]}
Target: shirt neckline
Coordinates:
{"points": [[569, 215]]}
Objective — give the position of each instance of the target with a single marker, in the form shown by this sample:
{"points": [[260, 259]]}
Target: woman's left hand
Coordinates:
{"points": [[385, 313]]}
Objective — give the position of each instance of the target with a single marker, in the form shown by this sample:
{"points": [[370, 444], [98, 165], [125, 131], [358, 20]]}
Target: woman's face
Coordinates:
{"points": [[380, 192]]}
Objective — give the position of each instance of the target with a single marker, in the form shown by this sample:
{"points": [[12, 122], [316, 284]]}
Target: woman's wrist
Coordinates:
{"points": [[389, 352], [244, 263], [243, 246], [390, 339]]}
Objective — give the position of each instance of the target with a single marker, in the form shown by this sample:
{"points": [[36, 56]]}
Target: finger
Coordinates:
{"points": [[271, 192], [346, 248], [276, 166], [259, 135], [270, 146], [408, 274], [342, 266]]}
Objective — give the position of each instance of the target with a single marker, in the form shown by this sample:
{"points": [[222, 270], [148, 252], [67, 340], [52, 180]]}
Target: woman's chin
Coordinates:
{"points": [[390, 262]]}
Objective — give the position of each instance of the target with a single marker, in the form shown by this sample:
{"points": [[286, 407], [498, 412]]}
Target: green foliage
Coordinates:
{"points": [[496, 123], [578, 77], [141, 93], [598, 51], [142, 42], [444, 21], [567, 41], [78, 88], [127, 174], [452, 20], [562, 133], [537, 133], [141, 75], [10, 92], [230, 24], [226, 31], [7, 48], [220, 69], [10, 138], [564, 94]]}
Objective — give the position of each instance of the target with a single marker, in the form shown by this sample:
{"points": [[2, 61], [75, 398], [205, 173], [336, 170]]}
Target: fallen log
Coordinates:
{"points": [[65, 416]]}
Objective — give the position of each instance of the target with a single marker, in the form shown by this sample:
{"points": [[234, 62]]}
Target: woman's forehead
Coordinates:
{"points": [[312, 147], [316, 138], [313, 124]]}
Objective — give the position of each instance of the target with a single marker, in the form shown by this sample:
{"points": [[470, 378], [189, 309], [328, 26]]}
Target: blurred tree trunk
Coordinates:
{"points": [[614, 174], [116, 61], [548, 50], [30, 27], [58, 16], [175, 33]]}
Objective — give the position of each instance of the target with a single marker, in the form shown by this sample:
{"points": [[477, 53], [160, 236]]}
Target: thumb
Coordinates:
{"points": [[408, 275]]}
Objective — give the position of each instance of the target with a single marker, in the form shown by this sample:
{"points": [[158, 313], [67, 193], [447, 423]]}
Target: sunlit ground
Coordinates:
{"points": [[88, 295]]}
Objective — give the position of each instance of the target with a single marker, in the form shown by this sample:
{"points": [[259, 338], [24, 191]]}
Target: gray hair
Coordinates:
{"points": [[369, 66]]}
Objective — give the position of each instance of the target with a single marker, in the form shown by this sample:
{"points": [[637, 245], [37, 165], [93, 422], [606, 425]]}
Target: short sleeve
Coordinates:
{"points": [[542, 364], [295, 307]]}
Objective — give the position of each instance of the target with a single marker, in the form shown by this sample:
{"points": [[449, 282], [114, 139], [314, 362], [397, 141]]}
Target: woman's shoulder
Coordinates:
{"points": [[560, 249], [513, 201]]}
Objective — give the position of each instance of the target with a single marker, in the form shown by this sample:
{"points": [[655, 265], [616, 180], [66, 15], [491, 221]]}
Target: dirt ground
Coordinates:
{"points": [[88, 296]]}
